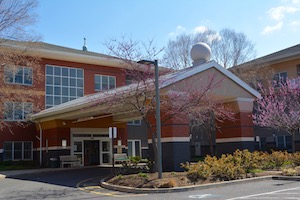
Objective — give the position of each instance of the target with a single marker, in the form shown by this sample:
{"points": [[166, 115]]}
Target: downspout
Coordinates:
{"points": [[41, 142]]}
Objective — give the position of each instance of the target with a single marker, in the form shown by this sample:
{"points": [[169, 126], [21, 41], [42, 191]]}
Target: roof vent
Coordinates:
{"points": [[84, 47], [200, 53]]}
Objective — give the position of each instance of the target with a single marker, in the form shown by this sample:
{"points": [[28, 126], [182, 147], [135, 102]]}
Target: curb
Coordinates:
{"points": [[181, 189]]}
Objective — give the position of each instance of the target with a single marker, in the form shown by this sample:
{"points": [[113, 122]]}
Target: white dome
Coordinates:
{"points": [[200, 53]]}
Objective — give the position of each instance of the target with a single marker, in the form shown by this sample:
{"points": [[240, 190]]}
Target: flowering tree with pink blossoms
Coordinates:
{"points": [[279, 107]]}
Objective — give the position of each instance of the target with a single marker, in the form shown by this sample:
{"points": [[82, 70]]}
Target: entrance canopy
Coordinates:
{"points": [[93, 106]]}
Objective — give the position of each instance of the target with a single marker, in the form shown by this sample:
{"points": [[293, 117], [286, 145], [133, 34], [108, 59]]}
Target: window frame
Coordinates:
{"points": [[137, 122], [133, 142], [13, 111], [12, 75], [284, 144], [13, 150], [100, 83], [280, 79], [62, 84]]}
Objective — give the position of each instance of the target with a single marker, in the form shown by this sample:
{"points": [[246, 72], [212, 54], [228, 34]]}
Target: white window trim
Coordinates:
{"points": [[47, 105], [13, 150], [284, 140], [23, 76], [100, 75], [23, 111], [133, 147]]}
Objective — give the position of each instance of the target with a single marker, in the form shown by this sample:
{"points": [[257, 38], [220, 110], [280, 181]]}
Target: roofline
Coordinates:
{"points": [[80, 103], [214, 64], [41, 52], [272, 58]]}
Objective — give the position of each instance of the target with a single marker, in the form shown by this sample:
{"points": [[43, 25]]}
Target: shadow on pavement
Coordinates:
{"points": [[68, 178]]}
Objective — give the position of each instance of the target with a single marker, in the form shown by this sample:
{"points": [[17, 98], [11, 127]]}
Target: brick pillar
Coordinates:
{"points": [[175, 144], [238, 134]]}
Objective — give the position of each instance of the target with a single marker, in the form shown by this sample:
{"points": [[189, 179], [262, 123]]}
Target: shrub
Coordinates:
{"points": [[279, 158], [295, 158], [169, 184], [143, 175], [199, 171], [289, 172]]}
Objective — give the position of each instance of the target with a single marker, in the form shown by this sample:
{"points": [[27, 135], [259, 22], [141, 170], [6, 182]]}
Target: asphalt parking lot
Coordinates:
{"points": [[84, 184]]}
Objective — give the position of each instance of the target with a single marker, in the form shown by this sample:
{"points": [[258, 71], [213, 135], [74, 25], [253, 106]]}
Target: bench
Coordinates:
{"points": [[69, 159], [121, 158]]}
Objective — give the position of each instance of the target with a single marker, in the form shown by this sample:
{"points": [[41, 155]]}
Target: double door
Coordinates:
{"points": [[93, 152]]}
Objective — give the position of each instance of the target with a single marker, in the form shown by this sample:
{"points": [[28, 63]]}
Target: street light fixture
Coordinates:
{"points": [[158, 121]]}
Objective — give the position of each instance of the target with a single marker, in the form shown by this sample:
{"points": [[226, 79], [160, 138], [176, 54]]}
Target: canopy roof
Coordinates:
{"points": [[87, 108]]}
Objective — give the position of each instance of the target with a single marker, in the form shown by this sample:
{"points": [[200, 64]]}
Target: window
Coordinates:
{"points": [[284, 142], [279, 78], [21, 75], [63, 84], [17, 111], [104, 82], [298, 70], [135, 122], [17, 150], [134, 148]]}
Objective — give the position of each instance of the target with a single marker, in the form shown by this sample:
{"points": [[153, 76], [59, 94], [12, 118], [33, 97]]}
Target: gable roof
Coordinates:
{"points": [[168, 80]]}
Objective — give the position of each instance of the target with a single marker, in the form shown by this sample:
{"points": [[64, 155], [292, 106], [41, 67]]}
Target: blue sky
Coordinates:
{"points": [[271, 24]]}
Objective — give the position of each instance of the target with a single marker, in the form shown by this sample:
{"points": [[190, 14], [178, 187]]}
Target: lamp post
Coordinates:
{"points": [[158, 122]]}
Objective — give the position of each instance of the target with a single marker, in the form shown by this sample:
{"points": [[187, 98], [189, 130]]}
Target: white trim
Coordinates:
{"points": [[178, 76], [145, 148], [235, 139], [69, 56], [52, 148], [172, 139], [133, 150], [1, 150], [122, 146]]}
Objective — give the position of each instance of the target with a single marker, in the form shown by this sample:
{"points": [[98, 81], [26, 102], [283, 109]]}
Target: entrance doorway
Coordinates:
{"points": [[91, 152], [105, 152]]}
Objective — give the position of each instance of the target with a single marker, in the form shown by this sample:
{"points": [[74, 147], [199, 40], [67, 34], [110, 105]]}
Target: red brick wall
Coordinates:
{"points": [[241, 127]]}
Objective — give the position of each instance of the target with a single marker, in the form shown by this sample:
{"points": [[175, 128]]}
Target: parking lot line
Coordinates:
{"points": [[266, 193]]}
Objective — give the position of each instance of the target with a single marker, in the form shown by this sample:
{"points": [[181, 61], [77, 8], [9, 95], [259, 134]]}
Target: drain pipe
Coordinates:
{"points": [[41, 143]]}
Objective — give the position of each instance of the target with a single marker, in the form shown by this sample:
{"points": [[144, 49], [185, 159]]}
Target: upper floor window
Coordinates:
{"points": [[298, 70], [17, 111], [104, 82], [279, 78], [63, 84], [20, 75], [135, 122]]}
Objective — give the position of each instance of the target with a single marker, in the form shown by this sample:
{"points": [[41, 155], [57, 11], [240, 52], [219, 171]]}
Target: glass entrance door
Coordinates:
{"points": [[105, 154], [91, 152]]}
